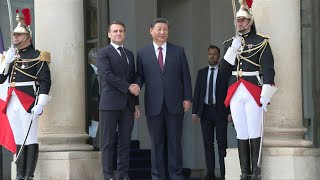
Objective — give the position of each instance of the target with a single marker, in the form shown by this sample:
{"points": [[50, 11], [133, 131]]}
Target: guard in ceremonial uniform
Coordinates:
{"points": [[249, 60], [29, 83]]}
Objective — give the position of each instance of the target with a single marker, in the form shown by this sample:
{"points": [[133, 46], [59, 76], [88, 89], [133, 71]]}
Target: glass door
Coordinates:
{"points": [[96, 20]]}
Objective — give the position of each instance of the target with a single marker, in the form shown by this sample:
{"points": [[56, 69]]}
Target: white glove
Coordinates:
{"points": [[236, 43], [264, 102], [37, 110], [10, 55]]}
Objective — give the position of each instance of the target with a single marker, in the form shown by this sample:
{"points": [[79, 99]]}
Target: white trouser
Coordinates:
{"points": [[19, 120], [246, 114]]}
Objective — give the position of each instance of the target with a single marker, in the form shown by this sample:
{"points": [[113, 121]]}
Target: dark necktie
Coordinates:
{"points": [[123, 55], [160, 58], [210, 95]]}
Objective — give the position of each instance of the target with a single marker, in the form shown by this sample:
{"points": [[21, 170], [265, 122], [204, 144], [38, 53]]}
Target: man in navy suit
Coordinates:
{"points": [[118, 104], [163, 68], [208, 105]]}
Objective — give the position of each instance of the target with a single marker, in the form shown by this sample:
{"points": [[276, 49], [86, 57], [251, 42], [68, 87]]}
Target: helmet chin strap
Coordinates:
{"points": [[24, 40], [247, 26], [250, 23]]}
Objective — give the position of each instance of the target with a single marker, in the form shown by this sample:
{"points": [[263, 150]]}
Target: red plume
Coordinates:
{"points": [[249, 3], [17, 11], [27, 16]]}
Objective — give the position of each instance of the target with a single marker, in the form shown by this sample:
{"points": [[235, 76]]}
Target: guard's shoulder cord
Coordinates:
{"points": [[43, 57], [227, 40], [23, 72], [40, 68], [262, 35], [26, 61], [258, 48], [27, 74]]}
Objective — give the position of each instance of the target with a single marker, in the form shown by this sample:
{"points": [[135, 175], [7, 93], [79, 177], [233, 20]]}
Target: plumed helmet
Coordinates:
{"points": [[24, 22], [245, 9]]}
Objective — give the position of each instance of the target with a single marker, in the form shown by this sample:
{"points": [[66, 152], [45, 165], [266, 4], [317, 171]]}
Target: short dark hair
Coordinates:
{"points": [[159, 20], [116, 22], [214, 47]]}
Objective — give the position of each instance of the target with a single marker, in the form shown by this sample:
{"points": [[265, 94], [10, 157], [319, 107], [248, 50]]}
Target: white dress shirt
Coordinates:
{"points": [[116, 47], [164, 51]]}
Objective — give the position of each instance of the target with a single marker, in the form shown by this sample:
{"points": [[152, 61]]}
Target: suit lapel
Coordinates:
{"points": [[167, 59], [154, 58], [205, 81], [217, 81], [125, 60], [122, 60]]}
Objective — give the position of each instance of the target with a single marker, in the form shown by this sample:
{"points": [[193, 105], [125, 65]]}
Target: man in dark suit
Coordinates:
{"points": [[118, 100], [163, 68], [208, 105], [93, 99]]}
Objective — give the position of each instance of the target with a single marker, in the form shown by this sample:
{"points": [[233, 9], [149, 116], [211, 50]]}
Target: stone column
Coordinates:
{"points": [[284, 119], [59, 30], [316, 68], [64, 154]]}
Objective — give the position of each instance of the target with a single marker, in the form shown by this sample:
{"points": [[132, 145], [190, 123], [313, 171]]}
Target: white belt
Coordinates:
{"points": [[28, 83], [248, 73]]}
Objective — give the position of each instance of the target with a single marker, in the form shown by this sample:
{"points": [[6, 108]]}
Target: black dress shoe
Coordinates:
{"points": [[245, 177], [255, 177], [126, 178], [209, 177]]}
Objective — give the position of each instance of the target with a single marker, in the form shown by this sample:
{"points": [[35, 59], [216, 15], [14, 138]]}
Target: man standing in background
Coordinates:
{"points": [[208, 107], [93, 100]]}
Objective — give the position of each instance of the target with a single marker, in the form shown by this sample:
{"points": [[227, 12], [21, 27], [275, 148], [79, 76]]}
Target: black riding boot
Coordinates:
{"points": [[244, 157], [21, 164], [255, 147], [222, 154], [32, 158]]}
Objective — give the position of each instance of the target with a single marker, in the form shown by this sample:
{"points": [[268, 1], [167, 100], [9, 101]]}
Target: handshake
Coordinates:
{"points": [[134, 89]]}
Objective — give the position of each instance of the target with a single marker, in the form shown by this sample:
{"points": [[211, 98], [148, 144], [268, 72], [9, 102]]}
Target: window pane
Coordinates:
{"points": [[92, 27]]}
